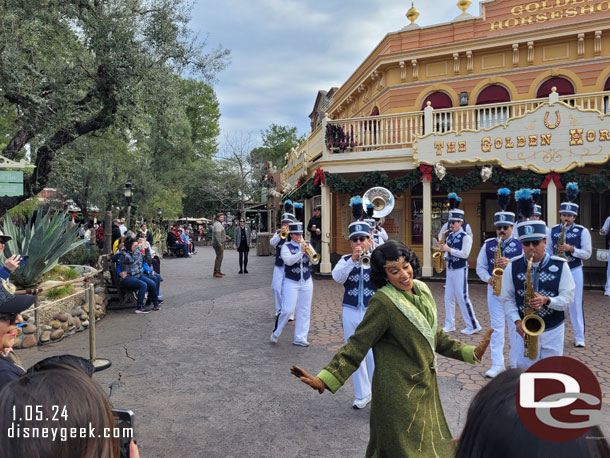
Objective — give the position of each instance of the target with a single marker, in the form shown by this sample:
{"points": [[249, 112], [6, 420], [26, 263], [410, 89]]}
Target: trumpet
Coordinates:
{"points": [[284, 233], [309, 251], [365, 259]]}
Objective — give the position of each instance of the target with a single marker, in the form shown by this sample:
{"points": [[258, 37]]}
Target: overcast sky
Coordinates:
{"points": [[284, 51]]}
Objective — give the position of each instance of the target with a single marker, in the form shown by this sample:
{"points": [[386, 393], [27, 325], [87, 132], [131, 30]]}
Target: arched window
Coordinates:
{"points": [[439, 101], [564, 87], [492, 114]]}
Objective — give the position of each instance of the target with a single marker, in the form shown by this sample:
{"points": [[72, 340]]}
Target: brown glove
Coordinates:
{"points": [[480, 349], [315, 382]]}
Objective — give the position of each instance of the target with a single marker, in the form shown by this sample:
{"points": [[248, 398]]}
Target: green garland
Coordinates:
{"points": [[500, 177]]}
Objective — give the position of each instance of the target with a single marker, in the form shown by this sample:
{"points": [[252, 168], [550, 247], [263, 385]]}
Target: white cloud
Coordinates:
{"points": [[284, 51]]}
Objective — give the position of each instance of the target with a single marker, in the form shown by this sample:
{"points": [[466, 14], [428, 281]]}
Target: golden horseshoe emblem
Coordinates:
{"points": [[546, 120]]}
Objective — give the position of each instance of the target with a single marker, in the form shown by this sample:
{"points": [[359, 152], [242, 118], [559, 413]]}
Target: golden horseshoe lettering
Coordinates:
{"points": [[546, 120]]}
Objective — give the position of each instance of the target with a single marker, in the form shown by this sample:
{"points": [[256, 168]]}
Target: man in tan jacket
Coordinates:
{"points": [[218, 242]]}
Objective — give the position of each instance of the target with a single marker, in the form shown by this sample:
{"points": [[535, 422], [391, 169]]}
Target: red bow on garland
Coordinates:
{"points": [[426, 171], [299, 182], [319, 178], [552, 176]]}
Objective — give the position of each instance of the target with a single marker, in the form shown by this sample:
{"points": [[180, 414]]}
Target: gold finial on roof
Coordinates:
{"points": [[412, 14], [463, 5]]}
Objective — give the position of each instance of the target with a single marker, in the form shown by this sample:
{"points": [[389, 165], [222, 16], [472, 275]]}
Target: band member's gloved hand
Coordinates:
{"points": [[480, 349], [315, 382]]}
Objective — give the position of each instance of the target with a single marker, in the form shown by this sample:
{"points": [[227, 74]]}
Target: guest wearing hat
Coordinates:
{"points": [[486, 263], [457, 249], [552, 281], [11, 306], [314, 227], [358, 290], [297, 288], [454, 202], [12, 262], [277, 242], [576, 247]]}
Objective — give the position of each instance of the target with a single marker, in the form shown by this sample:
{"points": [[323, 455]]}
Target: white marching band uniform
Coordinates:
{"points": [[380, 236], [358, 291], [456, 283], [560, 290], [580, 238], [278, 271], [606, 230], [297, 293], [511, 248]]}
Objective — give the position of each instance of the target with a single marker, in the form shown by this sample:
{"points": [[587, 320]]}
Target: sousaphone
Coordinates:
{"points": [[382, 200]]}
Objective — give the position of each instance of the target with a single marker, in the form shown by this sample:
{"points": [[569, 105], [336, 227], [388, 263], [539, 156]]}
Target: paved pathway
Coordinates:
{"points": [[204, 381]]}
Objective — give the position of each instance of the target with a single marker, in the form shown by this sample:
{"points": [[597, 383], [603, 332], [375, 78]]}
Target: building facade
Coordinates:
{"points": [[516, 97]]}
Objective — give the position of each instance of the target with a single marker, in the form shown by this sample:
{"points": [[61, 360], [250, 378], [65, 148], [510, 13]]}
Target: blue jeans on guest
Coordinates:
{"points": [[156, 278], [142, 284]]}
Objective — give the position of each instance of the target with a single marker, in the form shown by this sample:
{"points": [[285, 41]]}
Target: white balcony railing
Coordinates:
{"points": [[399, 130]]}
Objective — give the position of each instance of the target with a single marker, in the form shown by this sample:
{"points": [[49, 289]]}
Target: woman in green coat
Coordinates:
{"points": [[401, 327]]}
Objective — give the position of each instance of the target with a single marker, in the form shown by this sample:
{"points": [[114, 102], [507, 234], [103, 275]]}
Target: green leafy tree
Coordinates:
{"points": [[72, 68]]}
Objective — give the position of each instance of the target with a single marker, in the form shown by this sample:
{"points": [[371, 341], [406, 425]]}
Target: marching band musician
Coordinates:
{"points": [[378, 233], [604, 231], [454, 204], [297, 288], [551, 280], [356, 279], [486, 262], [576, 247], [457, 249], [278, 271]]}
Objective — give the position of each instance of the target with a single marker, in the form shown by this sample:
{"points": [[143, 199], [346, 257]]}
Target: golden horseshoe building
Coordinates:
{"points": [[518, 96]]}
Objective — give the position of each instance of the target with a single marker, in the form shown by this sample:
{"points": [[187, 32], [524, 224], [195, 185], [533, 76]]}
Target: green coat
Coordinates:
{"points": [[407, 417]]}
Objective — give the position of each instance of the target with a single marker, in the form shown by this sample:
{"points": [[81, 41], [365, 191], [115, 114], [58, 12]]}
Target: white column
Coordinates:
{"points": [[325, 266], [427, 195], [307, 213], [551, 204]]}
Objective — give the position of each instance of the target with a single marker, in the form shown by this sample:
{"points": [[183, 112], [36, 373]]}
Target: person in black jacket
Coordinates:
{"points": [[116, 231]]}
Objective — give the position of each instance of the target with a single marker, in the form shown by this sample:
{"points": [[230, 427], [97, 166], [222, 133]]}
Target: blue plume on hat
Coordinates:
{"points": [[298, 211], [370, 208], [454, 200], [288, 206], [503, 198], [536, 194], [572, 191], [525, 202], [356, 204]]}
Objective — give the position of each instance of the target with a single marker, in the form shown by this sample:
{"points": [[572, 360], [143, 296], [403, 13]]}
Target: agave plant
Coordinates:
{"points": [[44, 241]]}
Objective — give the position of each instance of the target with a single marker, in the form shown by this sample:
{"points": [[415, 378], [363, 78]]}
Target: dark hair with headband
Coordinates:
{"points": [[391, 251]]}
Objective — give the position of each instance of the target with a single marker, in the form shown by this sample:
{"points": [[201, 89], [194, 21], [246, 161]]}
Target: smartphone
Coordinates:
{"points": [[24, 259], [124, 420]]}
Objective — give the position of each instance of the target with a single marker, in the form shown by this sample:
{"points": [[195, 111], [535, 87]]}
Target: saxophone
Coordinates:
{"points": [[438, 257], [531, 323], [562, 238], [498, 271]]}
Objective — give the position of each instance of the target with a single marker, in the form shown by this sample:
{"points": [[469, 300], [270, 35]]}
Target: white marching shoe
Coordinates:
{"points": [[361, 403], [494, 371]]}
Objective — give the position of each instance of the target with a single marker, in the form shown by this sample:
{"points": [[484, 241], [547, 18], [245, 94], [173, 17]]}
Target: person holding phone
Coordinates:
{"points": [[12, 262], [64, 398]]}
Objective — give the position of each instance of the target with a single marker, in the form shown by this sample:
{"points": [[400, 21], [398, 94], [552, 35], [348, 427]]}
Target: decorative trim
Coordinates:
{"points": [[434, 69], [581, 45], [456, 63], [553, 52], [515, 54], [597, 43], [469, 62], [415, 71], [530, 53], [487, 64]]}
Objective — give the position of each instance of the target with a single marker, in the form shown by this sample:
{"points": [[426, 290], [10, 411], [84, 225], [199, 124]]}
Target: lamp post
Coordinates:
{"points": [[160, 214], [128, 191]]}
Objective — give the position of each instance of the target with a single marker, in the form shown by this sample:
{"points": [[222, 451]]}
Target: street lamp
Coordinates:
{"points": [[160, 213], [128, 191]]}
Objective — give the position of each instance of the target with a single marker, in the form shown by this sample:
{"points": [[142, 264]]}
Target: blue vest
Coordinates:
{"points": [[278, 252], [546, 282], [377, 239], [455, 240], [295, 271], [510, 248], [358, 287], [573, 237]]}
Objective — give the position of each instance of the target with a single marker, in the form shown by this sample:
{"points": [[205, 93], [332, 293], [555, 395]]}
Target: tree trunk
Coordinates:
{"points": [[108, 230]]}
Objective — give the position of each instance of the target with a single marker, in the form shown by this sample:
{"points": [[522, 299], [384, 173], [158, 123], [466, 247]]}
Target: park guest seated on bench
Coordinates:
{"points": [[132, 275], [178, 249]]}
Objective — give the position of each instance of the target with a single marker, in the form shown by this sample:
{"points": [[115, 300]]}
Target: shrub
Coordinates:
{"points": [[81, 256], [59, 292]]}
